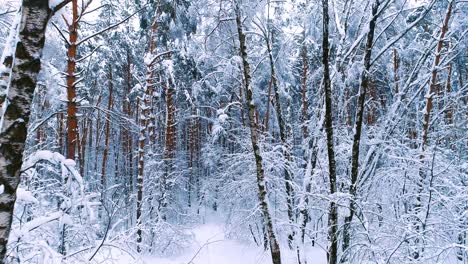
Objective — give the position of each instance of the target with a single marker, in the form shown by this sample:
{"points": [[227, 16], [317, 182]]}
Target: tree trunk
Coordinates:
{"points": [[305, 113], [261, 183], [433, 87], [107, 136], [332, 253], [141, 166], [14, 122], [169, 148], [365, 81], [267, 113], [284, 138], [84, 138], [433, 81], [396, 66], [448, 90], [72, 121]]}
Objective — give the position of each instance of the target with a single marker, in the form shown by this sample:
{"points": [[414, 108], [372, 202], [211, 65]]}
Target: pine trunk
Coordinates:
{"points": [[107, 133], [72, 121]]}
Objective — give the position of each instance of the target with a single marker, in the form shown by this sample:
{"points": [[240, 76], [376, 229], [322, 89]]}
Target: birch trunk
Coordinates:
{"points": [[17, 107], [261, 183]]}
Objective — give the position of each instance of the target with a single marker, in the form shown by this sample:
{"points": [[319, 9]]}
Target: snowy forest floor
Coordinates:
{"points": [[211, 247]]}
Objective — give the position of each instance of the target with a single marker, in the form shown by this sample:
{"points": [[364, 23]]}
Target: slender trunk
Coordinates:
{"points": [[433, 81], [305, 113], [241, 96], [448, 90], [332, 253], [283, 137], [169, 148], [145, 127], [396, 66], [267, 114], [72, 121], [433, 89], [191, 149], [348, 107], [107, 135], [83, 141], [261, 183], [15, 118], [127, 145], [365, 81], [141, 166]]}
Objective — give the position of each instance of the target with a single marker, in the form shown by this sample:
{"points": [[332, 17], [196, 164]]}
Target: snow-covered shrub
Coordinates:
{"points": [[52, 211]]}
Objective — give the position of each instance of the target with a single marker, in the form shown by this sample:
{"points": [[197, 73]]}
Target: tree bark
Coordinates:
{"points": [[332, 253], [365, 81], [261, 183], [284, 138], [433, 81], [72, 121], [433, 89], [396, 66], [305, 113], [448, 90], [14, 122], [107, 131]]}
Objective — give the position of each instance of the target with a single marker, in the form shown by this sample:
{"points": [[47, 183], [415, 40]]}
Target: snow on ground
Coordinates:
{"points": [[211, 247]]}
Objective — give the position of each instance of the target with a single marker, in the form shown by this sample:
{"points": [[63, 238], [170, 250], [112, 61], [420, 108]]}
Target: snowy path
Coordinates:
{"points": [[213, 248]]}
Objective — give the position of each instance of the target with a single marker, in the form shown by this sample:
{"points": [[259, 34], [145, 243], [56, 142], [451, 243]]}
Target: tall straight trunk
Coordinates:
{"points": [[284, 138], [396, 66], [84, 138], [14, 120], [304, 203], [261, 183], [332, 253], [192, 128], [267, 114], [448, 90], [127, 140], [305, 113], [141, 166], [241, 98], [433, 89], [169, 148], [146, 127], [90, 143], [433, 81], [365, 81], [72, 121], [107, 131]]}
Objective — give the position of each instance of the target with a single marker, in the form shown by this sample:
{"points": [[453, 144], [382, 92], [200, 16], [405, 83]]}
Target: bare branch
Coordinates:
{"points": [[110, 27], [61, 33]]}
